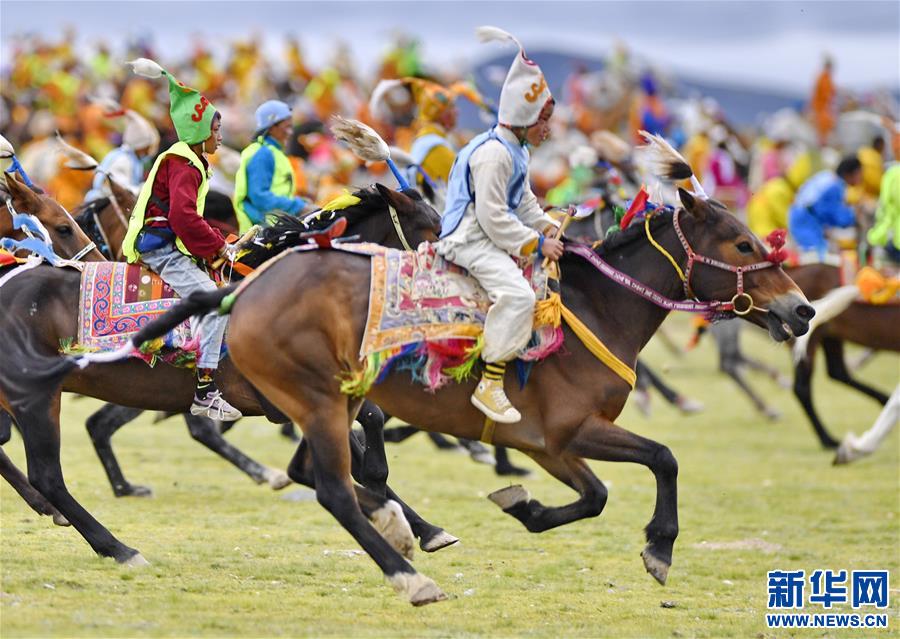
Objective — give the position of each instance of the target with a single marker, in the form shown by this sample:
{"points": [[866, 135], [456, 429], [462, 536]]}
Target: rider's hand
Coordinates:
{"points": [[552, 248], [228, 251]]}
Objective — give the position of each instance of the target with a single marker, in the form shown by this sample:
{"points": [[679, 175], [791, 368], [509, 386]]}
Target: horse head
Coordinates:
{"points": [[724, 260], [69, 241], [418, 220]]}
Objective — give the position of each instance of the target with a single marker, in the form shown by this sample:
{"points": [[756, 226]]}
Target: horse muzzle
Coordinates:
{"points": [[789, 316]]}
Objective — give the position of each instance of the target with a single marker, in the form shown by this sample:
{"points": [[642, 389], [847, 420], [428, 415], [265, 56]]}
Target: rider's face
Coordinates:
{"points": [[215, 137], [540, 131]]}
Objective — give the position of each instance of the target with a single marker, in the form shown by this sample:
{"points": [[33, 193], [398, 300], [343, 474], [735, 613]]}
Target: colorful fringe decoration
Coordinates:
{"points": [[160, 349], [547, 311]]}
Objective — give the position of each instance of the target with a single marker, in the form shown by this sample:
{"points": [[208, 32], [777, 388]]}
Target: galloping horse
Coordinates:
{"points": [[869, 325], [314, 307], [39, 315]]}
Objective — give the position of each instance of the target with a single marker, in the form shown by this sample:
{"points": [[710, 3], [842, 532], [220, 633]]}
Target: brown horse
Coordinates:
{"points": [[39, 304], [314, 308], [869, 325]]}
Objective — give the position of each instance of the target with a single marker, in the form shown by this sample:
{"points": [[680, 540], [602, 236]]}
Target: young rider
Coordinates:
{"points": [[167, 231], [492, 215]]}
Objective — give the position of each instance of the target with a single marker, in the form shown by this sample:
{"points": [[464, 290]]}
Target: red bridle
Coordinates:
{"points": [[693, 257]]}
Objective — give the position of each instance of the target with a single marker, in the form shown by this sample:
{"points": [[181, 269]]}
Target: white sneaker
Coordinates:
{"points": [[490, 398], [215, 407]]}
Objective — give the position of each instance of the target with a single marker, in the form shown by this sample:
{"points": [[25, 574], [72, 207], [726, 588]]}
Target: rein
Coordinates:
{"points": [[395, 220], [741, 304]]}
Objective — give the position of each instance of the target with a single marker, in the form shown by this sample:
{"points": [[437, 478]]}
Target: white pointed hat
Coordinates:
{"points": [[525, 91]]}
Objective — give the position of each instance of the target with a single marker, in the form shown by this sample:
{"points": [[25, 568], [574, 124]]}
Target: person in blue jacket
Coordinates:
{"points": [[264, 182], [821, 204]]}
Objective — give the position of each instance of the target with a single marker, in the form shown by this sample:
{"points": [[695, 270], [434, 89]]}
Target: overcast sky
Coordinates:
{"points": [[777, 44]]}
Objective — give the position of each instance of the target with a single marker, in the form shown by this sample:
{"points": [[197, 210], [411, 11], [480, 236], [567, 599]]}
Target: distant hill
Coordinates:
{"points": [[744, 105]]}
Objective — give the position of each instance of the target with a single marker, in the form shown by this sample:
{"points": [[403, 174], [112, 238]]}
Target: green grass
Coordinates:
{"points": [[230, 558]]}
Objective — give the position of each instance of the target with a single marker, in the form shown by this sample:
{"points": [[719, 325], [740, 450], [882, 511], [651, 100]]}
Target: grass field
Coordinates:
{"points": [[230, 558]]}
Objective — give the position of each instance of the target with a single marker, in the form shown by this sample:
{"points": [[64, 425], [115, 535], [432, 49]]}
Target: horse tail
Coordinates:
{"points": [[199, 303], [28, 374]]}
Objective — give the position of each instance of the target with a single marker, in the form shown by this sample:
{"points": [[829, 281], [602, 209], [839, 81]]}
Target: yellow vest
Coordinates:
{"points": [[136, 223], [282, 180]]}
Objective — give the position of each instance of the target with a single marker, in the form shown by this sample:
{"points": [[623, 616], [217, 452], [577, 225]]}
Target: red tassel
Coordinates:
{"points": [[776, 240], [638, 204]]}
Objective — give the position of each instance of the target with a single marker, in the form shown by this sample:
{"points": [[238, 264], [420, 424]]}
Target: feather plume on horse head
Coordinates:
{"points": [[77, 159], [382, 89], [7, 150], [366, 144], [668, 163]]}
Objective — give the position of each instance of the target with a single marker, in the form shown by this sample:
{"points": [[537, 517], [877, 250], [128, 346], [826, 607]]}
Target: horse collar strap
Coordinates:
{"points": [[395, 220], [644, 291]]}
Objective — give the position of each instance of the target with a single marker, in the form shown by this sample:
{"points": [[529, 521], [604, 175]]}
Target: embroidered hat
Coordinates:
{"points": [[525, 90], [191, 112]]}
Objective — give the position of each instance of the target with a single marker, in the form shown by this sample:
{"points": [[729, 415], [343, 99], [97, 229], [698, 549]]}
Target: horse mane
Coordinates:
{"points": [[286, 230], [634, 231]]}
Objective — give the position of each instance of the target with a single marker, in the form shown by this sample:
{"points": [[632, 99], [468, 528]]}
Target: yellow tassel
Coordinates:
{"points": [[547, 312]]}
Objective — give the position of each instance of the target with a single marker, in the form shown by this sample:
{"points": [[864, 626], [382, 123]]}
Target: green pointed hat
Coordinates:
{"points": [[191, 112]]}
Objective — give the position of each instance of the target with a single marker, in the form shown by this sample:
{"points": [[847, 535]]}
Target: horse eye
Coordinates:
{"points": [[64, 230], [745, 247]]}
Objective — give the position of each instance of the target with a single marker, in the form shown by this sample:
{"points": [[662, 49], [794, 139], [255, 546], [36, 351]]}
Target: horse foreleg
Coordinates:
{"points": [[39, 422], [572, 471], [326, 438], [838, 371], [370, 468], [204, 431], [506, 468], [600, 439], [17, 479], [101, 426], [803, 371]]}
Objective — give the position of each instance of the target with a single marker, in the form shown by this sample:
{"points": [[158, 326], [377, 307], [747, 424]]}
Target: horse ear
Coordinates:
{"points": [[690, 204], [21, 194], [397, 199]]}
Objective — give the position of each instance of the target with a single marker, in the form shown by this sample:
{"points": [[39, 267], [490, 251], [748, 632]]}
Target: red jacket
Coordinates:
{"points": [[176, 185]]}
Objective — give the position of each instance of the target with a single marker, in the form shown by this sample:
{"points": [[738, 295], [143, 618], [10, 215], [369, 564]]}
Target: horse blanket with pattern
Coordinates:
{"points": [[117, 300]]}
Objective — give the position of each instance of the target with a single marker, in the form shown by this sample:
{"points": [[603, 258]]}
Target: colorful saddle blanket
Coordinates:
{"points": [[118, 299], [426, 315]]}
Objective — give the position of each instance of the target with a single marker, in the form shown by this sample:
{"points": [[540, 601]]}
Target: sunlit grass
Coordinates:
{"points": [[230, 558]]}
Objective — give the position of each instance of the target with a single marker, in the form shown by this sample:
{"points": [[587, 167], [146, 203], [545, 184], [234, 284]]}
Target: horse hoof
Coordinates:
{"points": [[59, 520], [512, 471], [772, 414], [438, 541], [277, 479], [136, 561], [134, 490], [392, 525], [848, 452], [417, 588], [508, 497], [657, 568]]}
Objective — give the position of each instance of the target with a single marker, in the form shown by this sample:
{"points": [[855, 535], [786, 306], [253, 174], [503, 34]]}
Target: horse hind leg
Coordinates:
{"points": [[204, 430], [601, 440], [38, 419], [32, 497], [101, 426]]}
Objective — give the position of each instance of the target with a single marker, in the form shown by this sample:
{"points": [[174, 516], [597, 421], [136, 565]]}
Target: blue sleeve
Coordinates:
{"points": [[832, 209], [260, 170]]}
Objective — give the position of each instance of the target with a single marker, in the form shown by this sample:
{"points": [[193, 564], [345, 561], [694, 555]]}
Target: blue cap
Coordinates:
{"points": [[271, 113]]}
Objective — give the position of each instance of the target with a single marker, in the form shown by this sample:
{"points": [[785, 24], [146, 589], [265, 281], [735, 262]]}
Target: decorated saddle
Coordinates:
{"points": [[116, 301], [426, 315]]}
